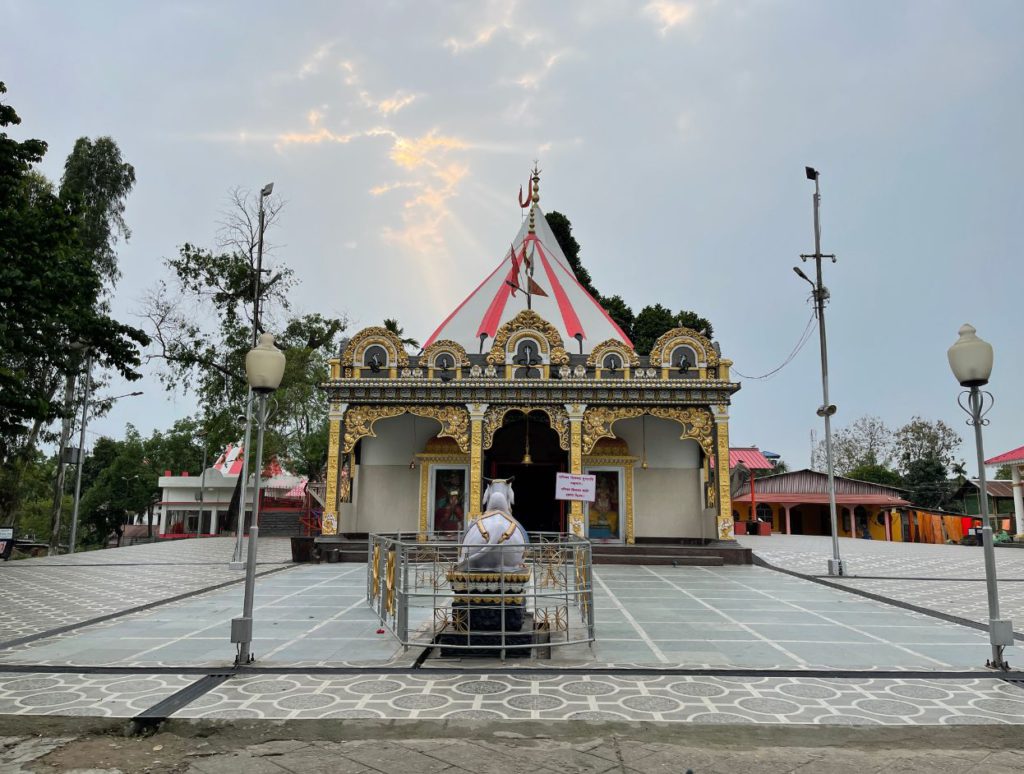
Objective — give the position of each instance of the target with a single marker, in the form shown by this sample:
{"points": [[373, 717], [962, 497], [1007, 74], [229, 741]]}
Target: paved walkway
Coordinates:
{"points": [[944, 578], [45, 593], [675, 645]]}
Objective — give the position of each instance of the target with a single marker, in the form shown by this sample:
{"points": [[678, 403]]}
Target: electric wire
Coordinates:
{"points": [[801, 343]]}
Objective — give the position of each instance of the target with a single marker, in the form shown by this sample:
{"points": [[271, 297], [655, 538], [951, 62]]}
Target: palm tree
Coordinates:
{"points": [[393, 327]]}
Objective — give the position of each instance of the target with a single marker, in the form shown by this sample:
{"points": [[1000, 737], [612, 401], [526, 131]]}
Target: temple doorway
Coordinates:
{"points": [[536, 507]]}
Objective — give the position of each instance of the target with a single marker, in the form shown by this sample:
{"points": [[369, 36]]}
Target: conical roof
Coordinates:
{"points": [[533, 255]]}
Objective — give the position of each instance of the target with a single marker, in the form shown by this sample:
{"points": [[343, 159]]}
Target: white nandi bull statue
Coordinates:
{"points": [[494, 540]]}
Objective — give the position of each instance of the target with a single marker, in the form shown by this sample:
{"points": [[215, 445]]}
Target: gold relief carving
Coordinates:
{"points": [[528, 320], [454, 421], [576, 466], [359, 421], [494, 418], [725, 523], [367, 337], [598, 421], [630, 536], [329, 520], [453, 348], [424, 498], [673, 338], [608, 346], [476, 466], [389, 580], [375, 588]]}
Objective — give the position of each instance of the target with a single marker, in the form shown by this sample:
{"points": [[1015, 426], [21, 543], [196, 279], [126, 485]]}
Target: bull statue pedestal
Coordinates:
{"points": [[489, 581]]}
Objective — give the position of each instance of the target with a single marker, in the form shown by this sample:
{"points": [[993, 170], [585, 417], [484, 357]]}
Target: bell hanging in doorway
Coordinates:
{"points": [[527, 459]]}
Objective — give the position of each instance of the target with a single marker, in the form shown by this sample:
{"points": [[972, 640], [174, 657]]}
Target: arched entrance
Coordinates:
{"points": [[536, 507]]}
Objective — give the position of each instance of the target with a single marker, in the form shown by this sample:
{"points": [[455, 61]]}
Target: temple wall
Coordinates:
{"points": [[387, 491]]}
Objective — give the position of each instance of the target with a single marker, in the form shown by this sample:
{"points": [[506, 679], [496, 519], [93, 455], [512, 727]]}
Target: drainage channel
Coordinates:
{"points": [[159, 712]]}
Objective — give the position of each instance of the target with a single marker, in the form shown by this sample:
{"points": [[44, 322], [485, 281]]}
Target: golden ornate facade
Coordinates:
{"points": [[583, 399]]}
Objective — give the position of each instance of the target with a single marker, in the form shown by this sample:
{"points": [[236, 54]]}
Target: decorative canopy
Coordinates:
{"points": [[1015, 457], [533, 272]]}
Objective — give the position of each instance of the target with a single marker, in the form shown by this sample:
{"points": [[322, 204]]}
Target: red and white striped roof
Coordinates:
{"points": [[229, 463], [567, 305]]}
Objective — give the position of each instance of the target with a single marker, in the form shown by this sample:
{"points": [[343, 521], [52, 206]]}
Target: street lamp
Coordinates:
{"points": [[81, 453], [264, 367], [236, 562], [826, 410], [201, 435], [970, 359]]}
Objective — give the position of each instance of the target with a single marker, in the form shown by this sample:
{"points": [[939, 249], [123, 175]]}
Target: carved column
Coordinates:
{"points": [[575, 412], [725, 525], [329, 522], [476, 456]]}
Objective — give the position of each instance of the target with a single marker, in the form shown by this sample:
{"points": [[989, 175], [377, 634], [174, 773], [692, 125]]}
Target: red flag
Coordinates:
{"points": [[513, 275], [535, 289]]}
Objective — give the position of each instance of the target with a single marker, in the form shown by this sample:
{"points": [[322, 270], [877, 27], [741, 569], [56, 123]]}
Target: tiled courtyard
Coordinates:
{"points": [[320, 655]]}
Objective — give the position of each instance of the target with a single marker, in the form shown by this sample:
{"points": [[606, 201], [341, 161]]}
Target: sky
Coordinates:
{"points": [[673, 134]]}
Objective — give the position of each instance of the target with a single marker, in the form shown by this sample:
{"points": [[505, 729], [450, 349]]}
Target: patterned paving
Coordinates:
{"points": [[119, 696], [948, 579], [45, 593], [861, 701]]}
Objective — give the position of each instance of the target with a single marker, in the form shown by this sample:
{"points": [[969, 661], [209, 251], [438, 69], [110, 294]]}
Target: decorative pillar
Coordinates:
{"points": [[725, 524], [575, 412], [888, 525], [476, 456], [787, 507], [1018, 498], [329, 521]]}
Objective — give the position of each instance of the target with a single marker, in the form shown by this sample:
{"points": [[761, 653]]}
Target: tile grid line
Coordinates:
{"points": [[632, 621]]}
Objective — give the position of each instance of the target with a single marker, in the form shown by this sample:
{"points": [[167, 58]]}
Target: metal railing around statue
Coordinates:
{"points": [[424, 599]]}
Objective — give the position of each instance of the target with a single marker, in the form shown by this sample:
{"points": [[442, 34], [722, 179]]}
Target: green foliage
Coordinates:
{"points": [[642, 329], [95, 185], [620, 312], [51, 290], [562, 229], [201, 321], [393, 326], [1003, 473], [922, 439], [876, 474]]}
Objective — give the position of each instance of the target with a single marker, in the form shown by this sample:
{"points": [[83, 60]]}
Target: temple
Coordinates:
{"points": [[529, 377]]}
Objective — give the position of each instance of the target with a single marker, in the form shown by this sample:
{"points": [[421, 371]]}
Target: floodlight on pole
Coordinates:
{"points": [[971, 359], [264, 369], [827, 409], [236, 562]]}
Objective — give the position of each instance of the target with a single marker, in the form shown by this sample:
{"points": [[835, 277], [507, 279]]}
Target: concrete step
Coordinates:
{"points": [[676, 561]]}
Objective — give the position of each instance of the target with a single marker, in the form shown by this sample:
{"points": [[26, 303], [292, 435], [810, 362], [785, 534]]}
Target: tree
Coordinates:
{"points": [[50, 296], [652, 322], [399, 331], [201, 321], [866, 443], [876, 474], [562, 229], [620, 312], [1003, 473], [921, 439], [692, 320]]}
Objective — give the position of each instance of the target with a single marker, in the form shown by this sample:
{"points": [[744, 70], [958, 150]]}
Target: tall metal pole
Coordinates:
{"points": [[81, 454], [835, 564], [58, 485], [241, 628], [202, 487], [236, 562], [1000, 632]]}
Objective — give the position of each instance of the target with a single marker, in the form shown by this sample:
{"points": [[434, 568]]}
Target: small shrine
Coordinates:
{"points": [[529, 377]]}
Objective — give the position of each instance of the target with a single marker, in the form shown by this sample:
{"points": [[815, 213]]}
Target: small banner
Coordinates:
{"points": [[576, 486]]}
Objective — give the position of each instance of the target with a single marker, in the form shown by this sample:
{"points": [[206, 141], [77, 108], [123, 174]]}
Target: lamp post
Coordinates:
{"points": [[264, 367], [201, 435], [81, 454], [970, 359], [826, 410], [236, 562]]}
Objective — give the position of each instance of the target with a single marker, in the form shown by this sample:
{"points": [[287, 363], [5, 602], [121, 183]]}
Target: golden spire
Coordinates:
{"points": [[534, 196]]}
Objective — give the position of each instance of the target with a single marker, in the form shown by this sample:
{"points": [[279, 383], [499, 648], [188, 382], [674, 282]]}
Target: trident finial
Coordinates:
{"points": [[534, 196]]}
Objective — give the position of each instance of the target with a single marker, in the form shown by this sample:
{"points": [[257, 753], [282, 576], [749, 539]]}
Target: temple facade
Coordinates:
{"points": [[526, 378]]}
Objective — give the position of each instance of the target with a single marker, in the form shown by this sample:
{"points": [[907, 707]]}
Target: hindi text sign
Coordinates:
{"points": [[576, 486]]}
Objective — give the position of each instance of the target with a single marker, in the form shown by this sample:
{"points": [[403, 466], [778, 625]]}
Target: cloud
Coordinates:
{"points": [[389, 105], [313, 63], [481, 38], [532, 80], [500, 21], [668, 14]]}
